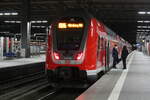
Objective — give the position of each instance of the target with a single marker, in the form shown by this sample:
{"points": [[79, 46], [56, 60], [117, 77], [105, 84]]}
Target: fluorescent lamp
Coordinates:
{"points": [[14, 13], [138, 30], [18, 21], [42, 26], [146, 21], [44, 21], [38, 26], [144, 26], [142, 12], [1, 14], [39, 21], [140, 21], [7, 14], [147, 30], [12, 22], [148, 12], [33, 21], [6, 21], [139, 26]]}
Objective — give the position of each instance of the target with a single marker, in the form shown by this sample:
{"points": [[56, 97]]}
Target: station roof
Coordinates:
{"points": [[126, 17]]}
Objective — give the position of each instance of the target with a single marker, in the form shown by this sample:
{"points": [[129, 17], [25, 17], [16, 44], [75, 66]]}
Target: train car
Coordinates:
{"points": [[79, 48], [146, 46]]}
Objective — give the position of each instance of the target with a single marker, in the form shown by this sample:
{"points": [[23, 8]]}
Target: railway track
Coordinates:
{"points": [[63, 94], [19, 86], [8, 84], [35, 87]]}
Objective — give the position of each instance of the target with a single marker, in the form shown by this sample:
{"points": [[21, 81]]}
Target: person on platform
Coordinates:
{"points": [[115, 56], [124, 56]]}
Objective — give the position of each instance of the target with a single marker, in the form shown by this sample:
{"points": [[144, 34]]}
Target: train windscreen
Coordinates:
{"points": [[69, 33]]}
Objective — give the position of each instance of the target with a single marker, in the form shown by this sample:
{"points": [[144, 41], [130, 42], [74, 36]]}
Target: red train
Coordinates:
{"points": [[79, 48]]}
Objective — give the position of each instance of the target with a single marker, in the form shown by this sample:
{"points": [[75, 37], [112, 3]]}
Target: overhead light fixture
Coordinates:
{"points": [[147, 30], [8, 13], [139, 26], [42, 26], [44, 21], [141, 12], [15, 13], [140, 21], [32, 21], [144, 12], [144, 26], [1, 14], [12, 21], [148, 12], [6, 21], [141, 30], [5, 32], [146, 21], [18, 21], [143, 40], [39, 26], [39, 21], [138, 30]]}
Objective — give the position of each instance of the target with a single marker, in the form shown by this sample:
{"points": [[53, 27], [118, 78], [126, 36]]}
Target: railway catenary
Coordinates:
{"points": [[79, 47]]}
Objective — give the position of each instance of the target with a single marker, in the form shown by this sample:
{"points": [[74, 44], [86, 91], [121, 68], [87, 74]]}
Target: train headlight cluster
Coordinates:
{"points": [[56, 56], [79, 55]]}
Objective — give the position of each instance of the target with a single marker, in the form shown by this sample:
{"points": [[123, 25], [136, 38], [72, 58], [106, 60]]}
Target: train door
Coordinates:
{"points": [[98, 52], [107, 56], [102, 52], [111, 45], [105, 53]]}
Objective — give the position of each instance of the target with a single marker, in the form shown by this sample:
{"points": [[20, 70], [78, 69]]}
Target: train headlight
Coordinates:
{"points": [[78, 56], [56, 55]]}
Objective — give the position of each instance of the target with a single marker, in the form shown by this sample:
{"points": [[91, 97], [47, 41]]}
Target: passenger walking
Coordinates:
{"points": [[124, 56], [115, 56]]}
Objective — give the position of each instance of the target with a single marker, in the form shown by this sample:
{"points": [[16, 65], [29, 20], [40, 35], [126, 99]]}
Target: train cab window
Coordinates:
{"points": [[69, 33], [67, 41]]}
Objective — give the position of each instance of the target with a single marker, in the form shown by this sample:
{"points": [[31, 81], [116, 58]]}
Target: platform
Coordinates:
{"points": [[22, 61], [118, 84]]}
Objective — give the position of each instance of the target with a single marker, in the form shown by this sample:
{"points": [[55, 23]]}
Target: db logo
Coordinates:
{"points": [[67, 62]]}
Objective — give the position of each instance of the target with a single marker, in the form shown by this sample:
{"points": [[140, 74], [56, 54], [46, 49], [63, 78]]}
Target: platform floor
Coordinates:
{"points": [[118, 84], [22, 61]]}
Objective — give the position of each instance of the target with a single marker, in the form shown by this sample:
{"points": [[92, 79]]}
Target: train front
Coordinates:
{"points": [[66, 50]]}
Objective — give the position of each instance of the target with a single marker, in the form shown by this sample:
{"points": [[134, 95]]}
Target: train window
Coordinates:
{"points": [[69, 34], [70, 40], [101, 43]]}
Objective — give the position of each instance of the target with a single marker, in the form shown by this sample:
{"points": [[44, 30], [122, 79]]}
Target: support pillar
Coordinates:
{"points": [[25, 29], [1, 47]]}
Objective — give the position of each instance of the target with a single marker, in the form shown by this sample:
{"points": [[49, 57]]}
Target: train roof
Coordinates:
{"points": [[85, 14], [77, 12], [109, 31]]}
